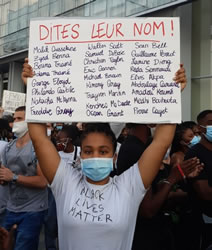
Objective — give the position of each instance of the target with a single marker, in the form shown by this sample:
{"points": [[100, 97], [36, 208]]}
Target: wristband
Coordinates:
{"points": [[181, 172]]}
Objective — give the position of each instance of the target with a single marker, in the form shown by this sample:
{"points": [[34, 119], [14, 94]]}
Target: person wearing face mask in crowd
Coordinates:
{"points": [[28, 201], [155, 220], [65, 144], [4, 135], [160, 222], [184, 139], [201, 187]]}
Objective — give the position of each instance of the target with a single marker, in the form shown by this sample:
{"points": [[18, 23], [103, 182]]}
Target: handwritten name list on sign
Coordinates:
{"points": [[97, 70]]}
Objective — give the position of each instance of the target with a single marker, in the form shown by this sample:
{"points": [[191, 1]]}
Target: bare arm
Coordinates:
{"points": [[46, 152], [153, 202], [151, 159], [37, 181], [48, 156]]}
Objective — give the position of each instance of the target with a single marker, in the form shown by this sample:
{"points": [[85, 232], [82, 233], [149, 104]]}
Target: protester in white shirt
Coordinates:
{"points": [[65, 144], [94, 210]]}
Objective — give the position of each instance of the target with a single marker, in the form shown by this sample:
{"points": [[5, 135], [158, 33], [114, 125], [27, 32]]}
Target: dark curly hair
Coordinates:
{"points": [[180, 130], [99, 128], [4, 129]]}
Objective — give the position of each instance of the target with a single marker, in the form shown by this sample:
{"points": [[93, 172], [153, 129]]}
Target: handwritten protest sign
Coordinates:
{"points": [[12, 100], [104, 70]]}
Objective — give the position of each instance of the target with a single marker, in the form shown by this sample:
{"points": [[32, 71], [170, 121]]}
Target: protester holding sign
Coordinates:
{"points": [[89, 202]]}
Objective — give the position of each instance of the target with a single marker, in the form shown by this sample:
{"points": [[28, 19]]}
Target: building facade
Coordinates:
{"points": [[196, 37]]}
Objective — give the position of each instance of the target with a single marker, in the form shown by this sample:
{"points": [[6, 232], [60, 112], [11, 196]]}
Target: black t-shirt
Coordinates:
{"points": [[129, 153], [205, 156]]}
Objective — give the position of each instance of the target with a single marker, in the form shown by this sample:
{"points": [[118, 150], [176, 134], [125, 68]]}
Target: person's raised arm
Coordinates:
{"points": [[46, 152], [151, 159], [153, 201]]}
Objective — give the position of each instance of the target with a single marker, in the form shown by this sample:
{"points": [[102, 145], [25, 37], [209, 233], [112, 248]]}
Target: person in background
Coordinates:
{"points": [[70, 154], [181, 143], [7, 117], [194, 126], [156, 232], [183, 140], [159, 210], [201, 186], [80, 126], [58, 126], [27, 201], [65, 144], [5, 130], [121, 138], [10, 120], [4, 135], [133, 146], [123, 135], [7, 238]]}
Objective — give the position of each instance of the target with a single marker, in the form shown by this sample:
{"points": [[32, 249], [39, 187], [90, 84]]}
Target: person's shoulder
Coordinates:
{"points": [[196, 148], [61, 153], [3, 144], [11, 143]]}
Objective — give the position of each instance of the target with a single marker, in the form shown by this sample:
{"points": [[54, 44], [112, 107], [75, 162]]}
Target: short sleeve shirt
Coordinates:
{"points": [[23, 161], [99, 217]]}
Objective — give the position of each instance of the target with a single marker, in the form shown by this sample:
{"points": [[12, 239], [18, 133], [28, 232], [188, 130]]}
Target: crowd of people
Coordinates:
{"points": [[106, 185]]}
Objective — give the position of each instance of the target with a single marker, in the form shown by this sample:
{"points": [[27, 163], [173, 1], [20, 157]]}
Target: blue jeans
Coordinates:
{"points": [[50, 223], [29, 225]]}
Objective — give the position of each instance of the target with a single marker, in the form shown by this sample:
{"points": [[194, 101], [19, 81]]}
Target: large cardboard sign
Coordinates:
{"points": [[12, 100], [104, 70]]}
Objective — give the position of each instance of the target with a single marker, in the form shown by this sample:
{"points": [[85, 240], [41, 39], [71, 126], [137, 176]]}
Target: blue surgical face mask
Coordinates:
{"points": [[59, 127], [97, 169], [195, 140], [208, 134]]}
